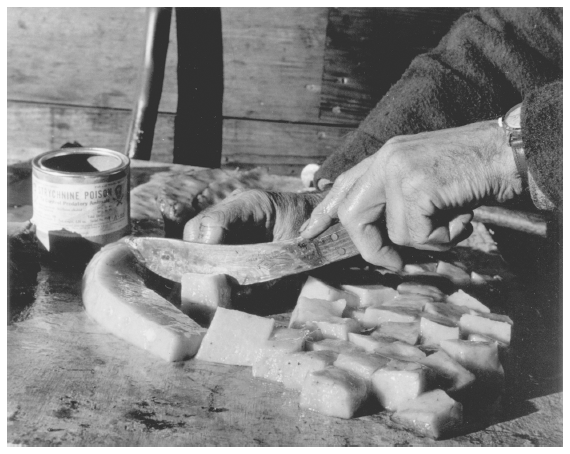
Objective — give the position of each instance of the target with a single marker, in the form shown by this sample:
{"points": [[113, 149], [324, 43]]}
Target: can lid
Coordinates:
{"points": [[81, 162]]}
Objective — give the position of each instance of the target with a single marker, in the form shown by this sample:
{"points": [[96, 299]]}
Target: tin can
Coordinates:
{"points": [[80, 199]]}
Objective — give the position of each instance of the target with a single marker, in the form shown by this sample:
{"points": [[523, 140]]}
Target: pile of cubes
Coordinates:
{"points": [[414, 350]]}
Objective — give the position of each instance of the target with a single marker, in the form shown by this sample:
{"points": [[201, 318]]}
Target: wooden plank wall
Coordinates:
{"points": [[296, 79]]}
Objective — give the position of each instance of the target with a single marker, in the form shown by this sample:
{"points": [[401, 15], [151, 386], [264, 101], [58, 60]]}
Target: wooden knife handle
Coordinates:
{"points": [[332, 245]]}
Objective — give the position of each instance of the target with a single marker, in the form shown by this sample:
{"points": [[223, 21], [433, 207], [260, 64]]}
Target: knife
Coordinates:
{"points": [[261, 262], [247, 263]]}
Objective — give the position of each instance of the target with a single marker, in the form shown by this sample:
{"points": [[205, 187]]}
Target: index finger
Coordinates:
{"points": [[325, 212], [362, 213]]}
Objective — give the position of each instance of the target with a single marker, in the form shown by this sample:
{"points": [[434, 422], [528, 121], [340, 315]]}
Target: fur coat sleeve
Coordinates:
{"points": [[491, 60]]}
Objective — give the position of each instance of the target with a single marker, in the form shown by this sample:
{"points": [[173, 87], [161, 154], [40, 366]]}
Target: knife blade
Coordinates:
{"points": [[247, 263]]}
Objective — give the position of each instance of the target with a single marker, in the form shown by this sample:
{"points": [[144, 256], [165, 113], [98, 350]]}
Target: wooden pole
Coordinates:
{"points": [[141, 133]]}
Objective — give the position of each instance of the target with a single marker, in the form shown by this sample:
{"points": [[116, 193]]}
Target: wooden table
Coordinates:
{"points": [[70, 383]]}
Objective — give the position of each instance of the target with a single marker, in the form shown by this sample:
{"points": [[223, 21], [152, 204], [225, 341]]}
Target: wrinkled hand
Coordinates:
{"points": [[419, 191], [252, 216]]}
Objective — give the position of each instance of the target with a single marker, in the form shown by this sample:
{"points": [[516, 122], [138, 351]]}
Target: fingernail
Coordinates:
{"points": [[458, 225], [304, 225], [309, 228], [323, 184], [455, 228]]}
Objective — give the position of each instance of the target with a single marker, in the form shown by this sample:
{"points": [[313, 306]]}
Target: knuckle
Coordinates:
{"points": [[216, 217], [397, 236]]}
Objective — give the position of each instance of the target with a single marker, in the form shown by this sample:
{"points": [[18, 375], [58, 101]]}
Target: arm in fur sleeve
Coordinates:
{"points": [[485, 65]]}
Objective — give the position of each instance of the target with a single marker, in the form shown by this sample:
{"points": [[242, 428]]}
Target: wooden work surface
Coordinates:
{"points": [[70, 383]]}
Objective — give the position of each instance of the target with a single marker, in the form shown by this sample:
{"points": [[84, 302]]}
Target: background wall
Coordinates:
{"points": [[296, 79]]}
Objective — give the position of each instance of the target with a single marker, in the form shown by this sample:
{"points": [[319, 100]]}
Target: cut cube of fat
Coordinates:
{"points": [[480, 338], [447, 310], [371, 295], [473, 324], [398, 382], [457, 275], [333, 345], [409, 301], [234, 337], [361, 364], [317, 289], [296, 366], [480, 358], [400, 350], [433, 414], [269, 363], [405, 332], [460, 298], [420, 268], [483, 338], [457, 377], [496, 317], [289, 333], [366, 342], [482, 279], [432, 331], [359, 316], [416, 288], [116, 296], [311, 310], [339, 329], [374, 316], [201, 294], [286, 339], [333, 392]]}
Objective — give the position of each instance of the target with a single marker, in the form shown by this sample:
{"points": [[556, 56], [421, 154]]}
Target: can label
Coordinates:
{"points": [[85, 209]]}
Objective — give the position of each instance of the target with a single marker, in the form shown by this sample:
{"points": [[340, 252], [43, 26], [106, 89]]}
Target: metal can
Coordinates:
{"points": [[80, 199]]}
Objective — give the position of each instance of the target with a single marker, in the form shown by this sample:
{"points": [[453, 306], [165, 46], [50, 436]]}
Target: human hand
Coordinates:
{"points": [[419, 191], [252, 216]]}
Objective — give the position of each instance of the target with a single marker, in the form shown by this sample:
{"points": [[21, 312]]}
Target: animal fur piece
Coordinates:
{"points": [[171, 198]]}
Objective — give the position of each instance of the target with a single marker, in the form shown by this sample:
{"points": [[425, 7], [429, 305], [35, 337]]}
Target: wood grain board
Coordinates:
{"points": [[273, 62], [288, 70], [79, 56], [283, 148], [92, 57], [72, 384]]}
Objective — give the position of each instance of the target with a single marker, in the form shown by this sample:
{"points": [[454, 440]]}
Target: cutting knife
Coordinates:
{"points": [[247, 263], [254, 263]]}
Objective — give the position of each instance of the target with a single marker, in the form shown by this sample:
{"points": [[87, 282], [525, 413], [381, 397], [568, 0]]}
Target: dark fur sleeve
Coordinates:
{"points": [[487, 63]]}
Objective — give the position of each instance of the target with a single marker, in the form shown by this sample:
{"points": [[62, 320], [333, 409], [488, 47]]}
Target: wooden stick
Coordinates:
{"points": [[522, 221], [141, 133]]}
